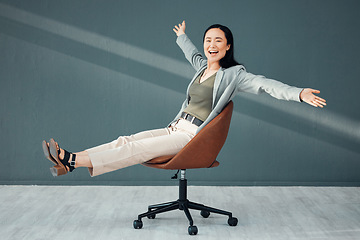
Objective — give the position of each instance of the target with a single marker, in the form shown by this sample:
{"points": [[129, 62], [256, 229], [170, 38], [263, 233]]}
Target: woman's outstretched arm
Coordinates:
{"points": [[257, 84], [192, 54]]}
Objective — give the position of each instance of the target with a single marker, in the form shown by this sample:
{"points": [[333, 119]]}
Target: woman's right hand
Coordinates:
{"points": [[179, 29]]}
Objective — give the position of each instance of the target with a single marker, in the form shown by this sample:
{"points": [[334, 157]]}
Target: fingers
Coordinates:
{"points": [[321, 102], [315, 91], [318, 102], [176, 29], [179, 28], [320, 99], [182, 24], [315, 101], [312, 104], [316, 97]]}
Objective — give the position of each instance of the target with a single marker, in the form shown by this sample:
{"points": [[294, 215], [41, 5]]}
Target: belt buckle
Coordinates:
{"points": [[188, 116]]}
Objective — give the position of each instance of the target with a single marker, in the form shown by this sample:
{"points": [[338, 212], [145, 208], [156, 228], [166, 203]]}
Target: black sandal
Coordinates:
{"points": [[56, 170], [55, 152]]}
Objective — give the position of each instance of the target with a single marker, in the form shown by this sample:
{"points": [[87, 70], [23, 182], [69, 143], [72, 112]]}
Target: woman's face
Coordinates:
{"points": [[215, 45]]}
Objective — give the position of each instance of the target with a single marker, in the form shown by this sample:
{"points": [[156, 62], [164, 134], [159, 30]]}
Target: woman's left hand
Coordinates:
{"points": [[307, 95]]}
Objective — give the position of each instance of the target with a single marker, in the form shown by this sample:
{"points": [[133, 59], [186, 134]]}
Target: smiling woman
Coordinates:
{"points": [[215, 45], [215, 49], [218, 79], [223, 36]]}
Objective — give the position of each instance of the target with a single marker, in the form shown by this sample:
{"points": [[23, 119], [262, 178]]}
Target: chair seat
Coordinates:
{"points": [[202, 150], [157, 162], [160, 160]]}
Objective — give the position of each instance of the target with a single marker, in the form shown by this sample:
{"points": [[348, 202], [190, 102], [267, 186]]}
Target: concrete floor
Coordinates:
{"points": [[107, 212]]}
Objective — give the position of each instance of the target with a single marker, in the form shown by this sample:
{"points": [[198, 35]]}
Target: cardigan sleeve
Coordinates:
{"points": [[191, 53], [257, 84]]}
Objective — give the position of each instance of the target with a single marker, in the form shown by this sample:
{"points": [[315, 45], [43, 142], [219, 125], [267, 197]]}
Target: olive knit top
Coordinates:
{"points": [[200, 104]]}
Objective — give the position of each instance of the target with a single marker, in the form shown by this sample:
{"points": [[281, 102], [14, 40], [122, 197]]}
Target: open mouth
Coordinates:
{"points": [[213, 52]]}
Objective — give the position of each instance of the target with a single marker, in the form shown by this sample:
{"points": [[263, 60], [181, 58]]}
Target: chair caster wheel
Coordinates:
{"points": [[192, 230], [205, 214], [138, 224], [233, 221], [152, 216]]}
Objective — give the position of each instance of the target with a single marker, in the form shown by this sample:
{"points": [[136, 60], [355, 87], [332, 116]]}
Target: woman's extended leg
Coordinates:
{"points": [[122, 140], [130, 150], [137, 152], [83, 159]]}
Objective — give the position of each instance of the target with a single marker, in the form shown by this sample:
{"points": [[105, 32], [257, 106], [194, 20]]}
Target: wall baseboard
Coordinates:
{"points": [[175, 183]]}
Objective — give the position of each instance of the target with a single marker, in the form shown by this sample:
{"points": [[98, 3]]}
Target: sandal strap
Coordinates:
{"points": [[72, 163], [66, 162]]}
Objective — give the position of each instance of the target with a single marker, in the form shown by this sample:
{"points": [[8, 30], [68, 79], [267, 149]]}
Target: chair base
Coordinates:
{"points": [[183, 204]]}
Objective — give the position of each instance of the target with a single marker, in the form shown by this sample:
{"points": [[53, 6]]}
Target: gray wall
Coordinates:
{"points": [[85, 72]]}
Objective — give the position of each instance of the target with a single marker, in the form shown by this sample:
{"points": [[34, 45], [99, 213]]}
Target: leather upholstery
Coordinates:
{"points": [[202, 150]]}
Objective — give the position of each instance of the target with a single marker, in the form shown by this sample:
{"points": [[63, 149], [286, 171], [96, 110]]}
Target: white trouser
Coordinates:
{"points": [[141, 147]]}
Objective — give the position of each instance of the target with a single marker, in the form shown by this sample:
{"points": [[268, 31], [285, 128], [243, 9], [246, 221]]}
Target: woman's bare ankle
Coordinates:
{"points": [[83, 161], [83, 153]]}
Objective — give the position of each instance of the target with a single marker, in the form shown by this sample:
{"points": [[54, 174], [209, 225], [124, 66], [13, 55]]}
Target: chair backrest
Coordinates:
{"points": [[202, 150]]}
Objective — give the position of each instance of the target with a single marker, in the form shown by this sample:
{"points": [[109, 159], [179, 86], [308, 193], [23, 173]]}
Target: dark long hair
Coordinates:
{"points": [[228, 60]]}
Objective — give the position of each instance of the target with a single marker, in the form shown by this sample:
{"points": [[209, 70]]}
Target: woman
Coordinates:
{"points": [[217, 80]]}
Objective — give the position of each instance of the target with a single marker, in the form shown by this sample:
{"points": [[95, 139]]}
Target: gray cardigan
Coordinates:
{"points": [[231, 81]]}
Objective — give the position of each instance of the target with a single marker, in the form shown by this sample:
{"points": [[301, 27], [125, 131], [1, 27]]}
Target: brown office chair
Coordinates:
{"points": [[200, 152]]}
